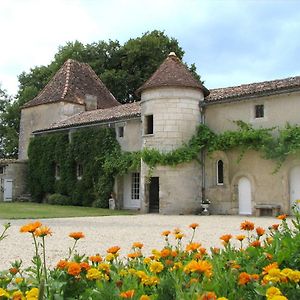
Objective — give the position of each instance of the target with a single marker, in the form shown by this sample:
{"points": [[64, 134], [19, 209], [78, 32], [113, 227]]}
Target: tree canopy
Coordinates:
{"points": [[122, 68]]}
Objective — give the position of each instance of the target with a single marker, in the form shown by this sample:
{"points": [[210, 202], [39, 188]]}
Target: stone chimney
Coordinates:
{"points": [[90, 102]]}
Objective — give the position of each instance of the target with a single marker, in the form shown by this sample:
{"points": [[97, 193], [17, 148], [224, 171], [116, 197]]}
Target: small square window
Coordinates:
{"points": [[79, 171], [120, 131], [259, 111], [149, 124]]}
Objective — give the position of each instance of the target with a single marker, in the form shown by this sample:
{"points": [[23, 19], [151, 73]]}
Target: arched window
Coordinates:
{"points": [[220, 172]]}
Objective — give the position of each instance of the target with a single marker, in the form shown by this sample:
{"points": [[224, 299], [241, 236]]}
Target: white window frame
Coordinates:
{"points": [[135, 186]]}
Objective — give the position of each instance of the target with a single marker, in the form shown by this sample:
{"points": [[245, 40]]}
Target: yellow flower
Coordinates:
{"points": [[93, 274], [110, 257], [156, 253], [201, 266], [104, 266], [43, 231], [18, 280], [156, 266], [145, 297], [291, 274], [32, 294], [18, 295], [141, 274], [150, 280], [222, 298], [147, 260], [4, 293], [273, 291], [123, 273]]}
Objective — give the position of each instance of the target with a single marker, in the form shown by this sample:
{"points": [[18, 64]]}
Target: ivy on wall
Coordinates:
{"points": [[100, 154]]}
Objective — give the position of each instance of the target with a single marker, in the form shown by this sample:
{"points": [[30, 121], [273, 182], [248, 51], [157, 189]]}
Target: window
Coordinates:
{"points": [[220, 172], [259, 111], [149, 124], [2, 169], [135, 186], [120, 131], [57, 171], [79, 171]]}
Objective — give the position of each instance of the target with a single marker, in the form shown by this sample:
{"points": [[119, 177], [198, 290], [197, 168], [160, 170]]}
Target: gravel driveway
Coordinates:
{"points": [[104, 232]]}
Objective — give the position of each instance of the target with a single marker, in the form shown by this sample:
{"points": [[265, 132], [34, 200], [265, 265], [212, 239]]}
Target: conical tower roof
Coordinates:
{"points": [[172, 72], [72, 82]]}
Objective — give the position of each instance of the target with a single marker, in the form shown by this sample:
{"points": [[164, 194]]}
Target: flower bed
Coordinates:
{"points": [[264, 265]]}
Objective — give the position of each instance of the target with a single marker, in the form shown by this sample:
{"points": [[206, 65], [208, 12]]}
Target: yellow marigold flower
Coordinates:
{"points": [[19, 280], [141, 274], [145, 297], [137, 245], [62, 264], [240, 237], [104, 267], [113, 250], [110, 257], [95, 258], [226, 238], [192, 246], [156, 267], [32, 294], [76, 235], [177, 266], [128, 294], [147, 260], [4, 293], [150, 280], [30, 227], [131, 271], [179, 236], [93, 274], [42, 231], [166, 233], [294, 276], [278, 297], [247, 225], [273, 291], [269, 267], [208, 296], [269, 240], [222, 298], [260, 231], [194, 225], [74, 268], [274, 275], [201, 266], [18, 295], [156, 253]]}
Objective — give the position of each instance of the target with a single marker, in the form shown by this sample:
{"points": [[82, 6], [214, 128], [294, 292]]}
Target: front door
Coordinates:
{"points": [[294, 185], [244, 187], [154, 194], [7, 193]]}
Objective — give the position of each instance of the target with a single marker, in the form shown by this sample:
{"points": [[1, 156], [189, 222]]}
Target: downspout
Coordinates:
{"points": [[202, 120]]}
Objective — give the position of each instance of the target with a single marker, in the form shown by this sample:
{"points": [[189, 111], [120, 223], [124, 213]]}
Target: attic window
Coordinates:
{"points": [[79, 171], [149, 124], [259, 111], [57, 171]]}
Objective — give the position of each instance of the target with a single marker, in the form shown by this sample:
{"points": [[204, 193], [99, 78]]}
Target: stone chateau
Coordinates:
{"points": [[172, 104]]}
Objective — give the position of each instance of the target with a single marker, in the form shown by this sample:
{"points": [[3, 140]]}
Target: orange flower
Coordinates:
{"points": [[96, 258], [226, 238], [282, 217], [137, 245], [13, 271], [177, 231], [166, 233], [244, 278], [240, 237], [62, 264], [134, 255], [165, 252], [42, 231], [216, 250], [268, 256], [74, 268], [208, 296], [194, 225], [30, 227], [76, 235], [201, 266], [255, 243], [192, 246], [113, 250], [247, 225], [128, 294], [174, 253], [275, 226], [269, 267], [260, 231], [84, 265]]}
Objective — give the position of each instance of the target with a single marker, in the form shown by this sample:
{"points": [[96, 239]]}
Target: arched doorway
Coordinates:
{"points": [[244, 189], [294, 185]]}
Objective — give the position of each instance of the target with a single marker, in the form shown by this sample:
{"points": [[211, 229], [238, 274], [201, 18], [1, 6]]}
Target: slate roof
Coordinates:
{"points": [[258, 89], [172, 72], [125, 111], [72, 82]]}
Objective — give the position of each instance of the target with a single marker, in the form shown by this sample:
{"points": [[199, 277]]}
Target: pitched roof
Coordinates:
{"points": [[258, 89], [172, 72], [125, 111], [72, 82]]}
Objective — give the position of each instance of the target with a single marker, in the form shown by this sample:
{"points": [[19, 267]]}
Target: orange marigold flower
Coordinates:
{"points": [[169, 262], [208, 296], [74, 268], [166, 233], [192, 246], [282, 217], [84, 265], [62, 264], [260, 231], [194, 225], [128, 294], [13, 271], [76, 235], [254, 277], [244, 278], [275, 226], [113, 250], [226, 238], [269, 267], [268, 256], [176, 231], [165, 252], [247, 225], [134, 255], [255, 243], [30, 227], [201, 266], [95, 258], [43, 231], [240, 237], [137, 245], [215, 250]]}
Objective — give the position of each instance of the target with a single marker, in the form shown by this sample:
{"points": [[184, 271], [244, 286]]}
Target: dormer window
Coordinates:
{"points": [[148, 124], [259, 111]]}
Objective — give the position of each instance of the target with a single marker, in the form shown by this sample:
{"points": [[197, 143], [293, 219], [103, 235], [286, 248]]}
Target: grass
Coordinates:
{"points": [[28, 210]]}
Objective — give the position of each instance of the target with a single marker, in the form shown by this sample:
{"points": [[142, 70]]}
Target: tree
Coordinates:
{"points": [[122, 68]]}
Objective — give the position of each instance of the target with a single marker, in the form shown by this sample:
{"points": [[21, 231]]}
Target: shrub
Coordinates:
{"points": [[58, 199]]}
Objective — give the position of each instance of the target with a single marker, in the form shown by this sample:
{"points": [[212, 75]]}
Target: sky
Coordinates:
{"points": [[231, 41]]}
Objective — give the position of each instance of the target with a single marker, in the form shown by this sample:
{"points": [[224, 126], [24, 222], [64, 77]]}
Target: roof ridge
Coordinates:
{"points": [[66, 87]]}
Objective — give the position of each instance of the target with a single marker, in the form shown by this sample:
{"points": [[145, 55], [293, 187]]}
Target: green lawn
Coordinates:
{"points": [[28, 210]]}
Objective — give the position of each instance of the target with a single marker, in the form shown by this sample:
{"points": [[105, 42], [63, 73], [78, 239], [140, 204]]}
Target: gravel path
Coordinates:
{"points": [[104, 232]]}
